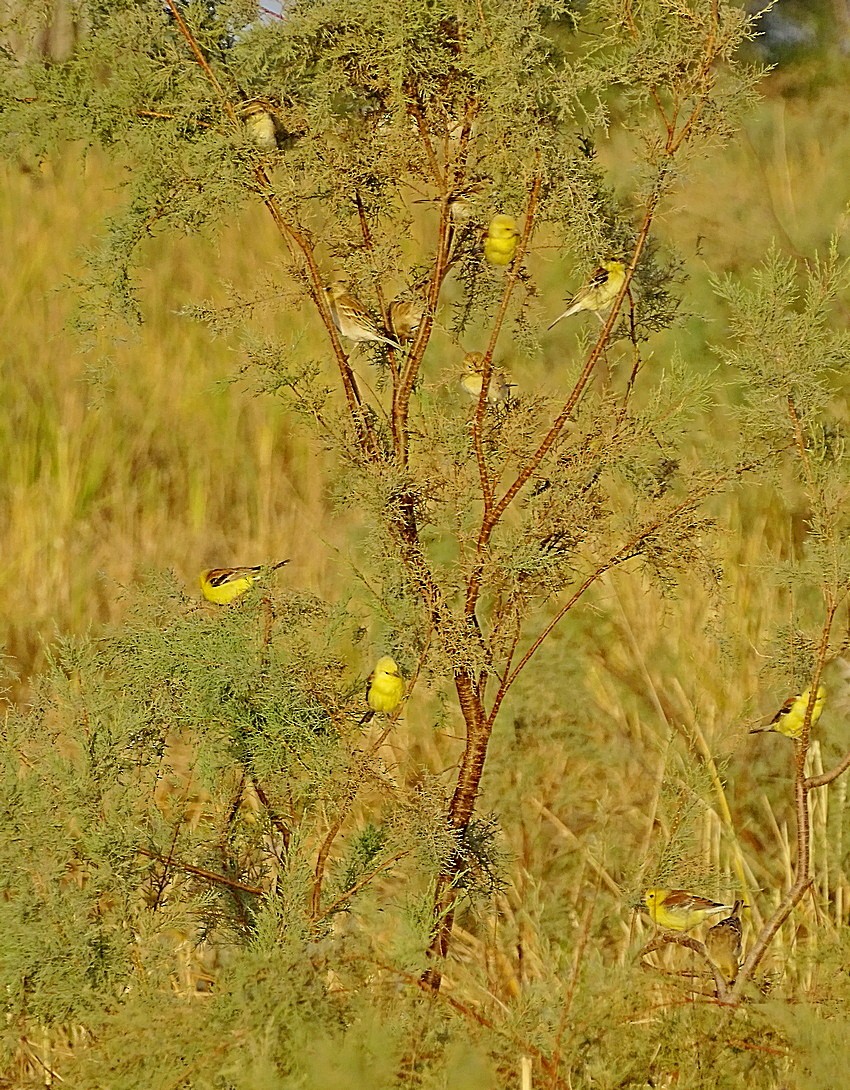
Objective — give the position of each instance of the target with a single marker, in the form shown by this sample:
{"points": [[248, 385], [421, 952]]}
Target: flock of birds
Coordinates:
{"points": [[500, 241], [356, 324], [671, 909], [385, 687]]}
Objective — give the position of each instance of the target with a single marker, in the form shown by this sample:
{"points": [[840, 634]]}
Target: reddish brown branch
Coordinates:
{"points": [[410, 370], [487, 373], [347, 894], [473, 1015], [325, 849], [198, 54], [210, 876], [489, 522], [827, 777], [511, 677], [668, 938], [290, 234]]}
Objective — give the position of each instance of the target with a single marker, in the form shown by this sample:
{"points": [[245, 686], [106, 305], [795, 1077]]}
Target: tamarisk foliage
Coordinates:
{"points": [[377, 142]]}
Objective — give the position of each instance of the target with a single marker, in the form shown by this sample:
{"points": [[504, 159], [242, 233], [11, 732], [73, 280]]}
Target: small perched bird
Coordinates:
{"points": [[260, 124], [723, 942], [500, 241], [678, 910], [384, 688], [471, 381], [405, 318], [223, 585], [599, 292], [352, 319], [791, 716], [462, 202]]}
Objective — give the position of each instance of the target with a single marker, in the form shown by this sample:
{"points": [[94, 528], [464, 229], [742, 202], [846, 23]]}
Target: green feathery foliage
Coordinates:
{"points": [[215, 871]]}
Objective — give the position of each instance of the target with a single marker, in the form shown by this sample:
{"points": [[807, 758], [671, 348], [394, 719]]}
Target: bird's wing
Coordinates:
{"points": [[786, 707], [219, 576], [680, 898]]}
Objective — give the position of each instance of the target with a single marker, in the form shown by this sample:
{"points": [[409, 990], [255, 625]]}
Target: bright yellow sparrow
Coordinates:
{"points": [[599, 292], [723, 942], [791, 716], [471, 380], [500, 241], [352, 319], [223, 585], [678, 910], [384, 688]]}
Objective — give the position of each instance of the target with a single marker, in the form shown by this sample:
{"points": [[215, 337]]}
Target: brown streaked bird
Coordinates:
{"points": [[723, 942], [405, 318], [352, 319]]}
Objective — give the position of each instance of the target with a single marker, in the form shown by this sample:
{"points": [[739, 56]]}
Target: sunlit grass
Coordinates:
{"points": [[137, 455]]}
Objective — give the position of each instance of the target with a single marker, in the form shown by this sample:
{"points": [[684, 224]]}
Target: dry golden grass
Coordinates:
{"points": [[158, 464]]}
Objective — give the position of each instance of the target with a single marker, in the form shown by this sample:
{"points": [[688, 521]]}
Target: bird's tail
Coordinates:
{"points": [[367, 718]]}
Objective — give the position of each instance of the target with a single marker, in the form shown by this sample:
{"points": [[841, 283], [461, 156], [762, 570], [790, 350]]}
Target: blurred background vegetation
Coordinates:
{"points": [[99, 486], [101, 495]]}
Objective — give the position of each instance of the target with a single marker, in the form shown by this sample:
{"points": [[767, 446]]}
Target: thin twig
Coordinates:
{"points": [[199, 872]]}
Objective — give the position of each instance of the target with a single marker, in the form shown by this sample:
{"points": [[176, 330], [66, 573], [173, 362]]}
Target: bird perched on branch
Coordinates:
{"points": [[791, 716], [384, 688], [405, 318], [260, 124], [352, 319], [723, 942], [500, 241], [678, 910], [599, 292], [223, 585], [471, 380]]}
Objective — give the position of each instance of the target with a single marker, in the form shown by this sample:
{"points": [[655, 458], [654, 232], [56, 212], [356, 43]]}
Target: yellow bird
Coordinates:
{"points": [[384, 688], [223, 585], [791, 716], [259, 122], [723, 942], [471, 381], [599, 292], [678, 910], [500, 241]]}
